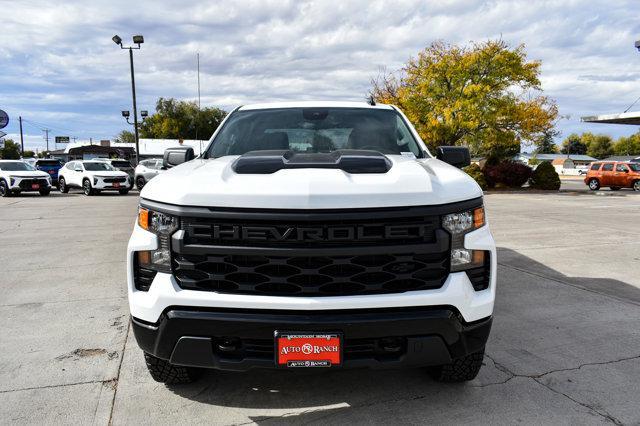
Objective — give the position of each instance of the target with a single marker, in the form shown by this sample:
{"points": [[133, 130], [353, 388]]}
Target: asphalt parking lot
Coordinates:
{"points": [[565, 347]]}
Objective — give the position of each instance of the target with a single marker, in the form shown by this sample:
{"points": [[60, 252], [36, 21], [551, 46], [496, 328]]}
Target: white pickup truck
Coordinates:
{"points": [[312, 235]]}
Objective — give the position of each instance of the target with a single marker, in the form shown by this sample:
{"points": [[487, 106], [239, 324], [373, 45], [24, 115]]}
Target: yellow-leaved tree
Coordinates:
{"points": [[486, 96]]}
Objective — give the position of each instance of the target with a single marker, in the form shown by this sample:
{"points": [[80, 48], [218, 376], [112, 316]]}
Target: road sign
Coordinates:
{"points": [[4, 119], [62, 139], [1, 143], [2, 135]]}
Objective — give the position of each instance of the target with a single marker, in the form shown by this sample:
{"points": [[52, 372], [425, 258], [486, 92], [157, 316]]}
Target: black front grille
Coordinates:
{"points": [[389, 251], [312, 275], [310, 233], [26, 183], [112, 180]]}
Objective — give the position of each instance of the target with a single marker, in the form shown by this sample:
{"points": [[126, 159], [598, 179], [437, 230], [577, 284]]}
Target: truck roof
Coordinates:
{"points": [[314, 104]]}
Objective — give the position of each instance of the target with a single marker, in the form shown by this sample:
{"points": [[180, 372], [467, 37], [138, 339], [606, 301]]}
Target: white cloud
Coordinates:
{"points": [[60, 67]]}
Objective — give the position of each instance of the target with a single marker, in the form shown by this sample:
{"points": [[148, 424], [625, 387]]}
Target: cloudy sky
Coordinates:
{"points": [[60, 70]]}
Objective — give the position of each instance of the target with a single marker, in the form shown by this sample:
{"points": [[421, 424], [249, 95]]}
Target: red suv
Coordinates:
{"points": [[613, 174]]}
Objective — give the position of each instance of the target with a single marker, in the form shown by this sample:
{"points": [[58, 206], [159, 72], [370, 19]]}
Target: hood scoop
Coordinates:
{"points": [[348, 160]]}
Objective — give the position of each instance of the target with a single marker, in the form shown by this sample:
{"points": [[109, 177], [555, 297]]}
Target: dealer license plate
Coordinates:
{"points": [[304, 350], [35, 186], [116, 184]]}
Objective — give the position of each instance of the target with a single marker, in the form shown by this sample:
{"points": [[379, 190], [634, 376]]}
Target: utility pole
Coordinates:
{"points": [[198, 81], [21, 137], [46, 137]]}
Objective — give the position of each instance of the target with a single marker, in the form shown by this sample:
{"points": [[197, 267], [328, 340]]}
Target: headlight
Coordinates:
{"points": [[156, 222], [12, 179], [163, 225], [95, 180], [459, 224]]}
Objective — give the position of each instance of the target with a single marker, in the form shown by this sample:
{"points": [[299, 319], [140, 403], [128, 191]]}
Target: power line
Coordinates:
{"points": [[629, 107]]}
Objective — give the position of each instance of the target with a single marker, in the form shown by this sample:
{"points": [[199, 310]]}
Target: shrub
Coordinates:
{"points": [[476, 173], [508, 173], [545, 177]]}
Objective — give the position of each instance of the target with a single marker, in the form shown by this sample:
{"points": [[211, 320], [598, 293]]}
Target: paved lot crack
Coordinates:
{"points": [[537, 377], [56, 386], [599, 412], [117, 379]]}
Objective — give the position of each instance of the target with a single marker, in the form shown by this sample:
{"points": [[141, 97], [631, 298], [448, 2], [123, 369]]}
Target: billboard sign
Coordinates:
{"points": [[4, 119], [62, 139]]}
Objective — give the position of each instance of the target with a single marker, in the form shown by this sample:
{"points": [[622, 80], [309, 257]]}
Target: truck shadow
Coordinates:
{"points": [[535, 317]]}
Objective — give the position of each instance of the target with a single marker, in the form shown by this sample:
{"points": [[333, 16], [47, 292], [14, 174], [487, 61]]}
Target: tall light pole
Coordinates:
{"points": [[138, 40]]}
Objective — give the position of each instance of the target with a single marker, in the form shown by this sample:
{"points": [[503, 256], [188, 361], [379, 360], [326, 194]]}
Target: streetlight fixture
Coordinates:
{"points": [[138, 40]]}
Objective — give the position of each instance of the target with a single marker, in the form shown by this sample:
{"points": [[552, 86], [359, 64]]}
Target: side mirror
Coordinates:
{"points": [[175, 156], [458, 156]]}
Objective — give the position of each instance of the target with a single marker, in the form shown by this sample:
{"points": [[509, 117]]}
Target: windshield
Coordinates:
{"points": [[311, 130], [634, 167], [16, 166], [120, 164], [97, 167]]}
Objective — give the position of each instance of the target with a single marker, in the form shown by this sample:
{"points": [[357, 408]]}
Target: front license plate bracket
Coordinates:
{"points": [[308, 349]]}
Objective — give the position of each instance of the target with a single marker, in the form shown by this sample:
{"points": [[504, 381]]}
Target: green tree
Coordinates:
{"points": [[28, 154], [175, 119], [600, 146], [573, 144], [627, 145], [126, 136], [545, 144], [11, 150], [487, 96]]}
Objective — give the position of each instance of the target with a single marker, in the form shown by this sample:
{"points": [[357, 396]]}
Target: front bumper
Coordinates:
{"points": [[25, 184], [101, 185], [242, 339], [457, 290]]}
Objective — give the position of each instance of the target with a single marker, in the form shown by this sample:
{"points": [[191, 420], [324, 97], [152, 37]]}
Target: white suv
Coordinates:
{"points": [[147, 170], [92, 177], [312, 234], [18, 176]]}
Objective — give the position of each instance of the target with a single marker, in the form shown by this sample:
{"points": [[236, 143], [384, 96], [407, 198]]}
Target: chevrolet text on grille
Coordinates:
{"points": [[316, 233]]}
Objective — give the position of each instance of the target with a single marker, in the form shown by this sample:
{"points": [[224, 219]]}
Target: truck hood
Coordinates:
{"points": [[409, 182]]}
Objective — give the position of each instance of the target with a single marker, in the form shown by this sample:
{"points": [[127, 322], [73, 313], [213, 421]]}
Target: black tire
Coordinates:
{"points": [[140, 182], [636, 185], [164, 372], [86, 187], [594, 184], [123, 191], [460, 369], [62, 186], [45, 192], [615, 188], [4, 189]]}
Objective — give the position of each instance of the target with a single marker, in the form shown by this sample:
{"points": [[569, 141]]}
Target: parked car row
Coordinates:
{"points": [[614, 175], [92, 176]]}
